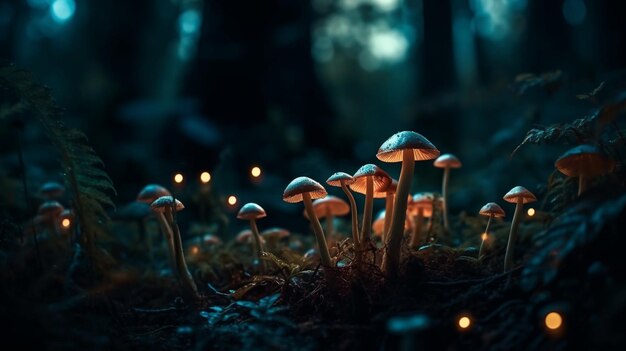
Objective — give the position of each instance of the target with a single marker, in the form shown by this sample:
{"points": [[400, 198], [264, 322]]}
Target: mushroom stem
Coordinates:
{"points": [[508, 257], [444, 194], [366, 228], [353, 213], [167, 232], [185, 279], [582, 184], [258, 247], [418, 223], [482, 243], [330, 226], [388, 214], [391, 259], [317, 229]]}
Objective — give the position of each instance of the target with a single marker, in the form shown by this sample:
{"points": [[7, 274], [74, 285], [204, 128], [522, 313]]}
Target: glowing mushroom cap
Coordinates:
{"points": [[275, 233], [447, 161], [251, 211], [585, 160], [390, 188], [423, 201], [335, 179], [381, 178], [492, 209], [50, 209], [151, 192], [519, 192], [330, 204], [293, 192], [51, 190], [160, 204], [391, 150]]}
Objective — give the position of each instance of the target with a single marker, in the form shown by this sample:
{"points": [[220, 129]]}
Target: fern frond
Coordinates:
{"points": [[82, 168]]}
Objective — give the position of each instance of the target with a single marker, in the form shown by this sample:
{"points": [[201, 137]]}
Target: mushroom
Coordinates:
{"points": [[342, 180], [584, 162], [49, 213], [446, 161], [367, 180], [388, 193], [244, 236], [306, 189], [148, 195], [519, 196], [251, 212], [164, 207], [406, 147], [422, 206], [491, 210], [273, 235], [328, 208], [51, 191]]}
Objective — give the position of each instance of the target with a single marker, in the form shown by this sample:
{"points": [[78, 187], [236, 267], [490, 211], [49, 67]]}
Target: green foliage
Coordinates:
{"points": [[82, 168]]}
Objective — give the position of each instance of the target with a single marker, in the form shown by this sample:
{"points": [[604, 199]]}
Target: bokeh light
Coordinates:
{"points": [[531, 212], [65, 223], [553, 320], [62, 10], [205, 177], [232, 200], [464, 322], [255, 171], [484, 236], [178, 178]]}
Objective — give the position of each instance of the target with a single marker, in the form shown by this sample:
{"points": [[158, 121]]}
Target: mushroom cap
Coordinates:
{"points": [[492, 209], [151, 192], [381, 178], [391, 150], [251, 211], [332, 204], [447, 161], [293, 192], [50, 209], [275, 232], [51, 189], [378, 226], [585, 160], [163, 202], [390, 188], [210, 239], [336, 178], [422, 201], [244, 236], [519, 192]]}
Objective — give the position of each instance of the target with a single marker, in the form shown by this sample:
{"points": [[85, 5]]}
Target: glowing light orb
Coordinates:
{"points": [[531, 212], [205, 177], [464, 322], [194, 250], [178, 178], [232, 200], [62, 10], [553, 320], [255, 171], [484, 236], [65, 223]]}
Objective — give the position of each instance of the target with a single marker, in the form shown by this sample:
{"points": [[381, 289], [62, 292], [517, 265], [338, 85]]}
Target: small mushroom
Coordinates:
{"points": [[51, 191], [48, 214], [491, 210], [585, 162], [251, 212], [244, 236], [422, 206], [446, 161], [367, 180], [519, 196], [164, 207], [147, 196], [328, 208], [342, 180], [274, 235], [406, 147], [306, 189]]}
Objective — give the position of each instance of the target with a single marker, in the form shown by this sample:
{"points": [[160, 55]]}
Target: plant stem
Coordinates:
{"points": [[510, 247], [391, 259], [185, 279], [366, 230], [258, 247], [317, 229], [167, 232], [444, 193]]}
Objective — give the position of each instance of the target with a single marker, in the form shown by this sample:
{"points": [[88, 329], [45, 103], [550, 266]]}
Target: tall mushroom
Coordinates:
{"points": [[446, 161], [147, 196], [328, 208], [519, 196], [406, 147], [388, 193], [422, 207], [251, 212], [367, 180], [491, 210], [164, 207], [306, 189], [342, 180], [584, 162]]}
